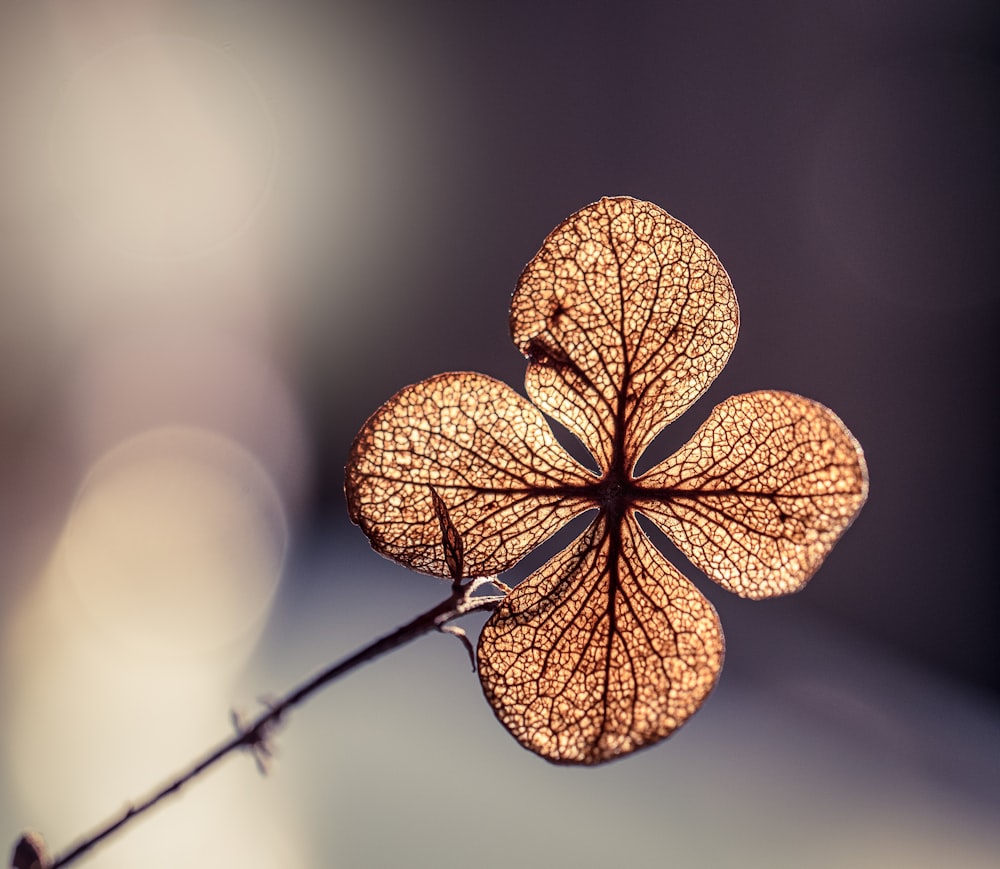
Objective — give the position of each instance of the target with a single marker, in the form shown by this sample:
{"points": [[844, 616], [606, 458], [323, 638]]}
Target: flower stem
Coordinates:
{"points": [[255, 734]]}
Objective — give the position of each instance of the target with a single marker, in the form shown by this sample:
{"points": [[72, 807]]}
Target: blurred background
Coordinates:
{"points": [[230, 230]]}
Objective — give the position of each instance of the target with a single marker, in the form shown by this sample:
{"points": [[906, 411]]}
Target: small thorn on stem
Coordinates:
{"points": [[262, 755], [256, 738], [456, 631]]}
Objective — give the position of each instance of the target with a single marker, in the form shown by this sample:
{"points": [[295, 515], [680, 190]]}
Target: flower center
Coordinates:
{"points": [[614, 492]]}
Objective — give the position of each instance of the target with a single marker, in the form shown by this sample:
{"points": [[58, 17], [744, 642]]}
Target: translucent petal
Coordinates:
{"points": [[460, 454], [627, 316], [603, 650], [760, 494]]}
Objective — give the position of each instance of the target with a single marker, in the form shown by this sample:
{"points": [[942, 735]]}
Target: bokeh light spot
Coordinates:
{"points": [[176, 542], [163, 146]]}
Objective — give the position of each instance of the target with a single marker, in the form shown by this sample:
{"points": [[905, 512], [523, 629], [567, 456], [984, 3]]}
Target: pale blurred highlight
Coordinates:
{"points": [[124, 652], [162, 146], [160, 454], [90, 724], [175, 543]]}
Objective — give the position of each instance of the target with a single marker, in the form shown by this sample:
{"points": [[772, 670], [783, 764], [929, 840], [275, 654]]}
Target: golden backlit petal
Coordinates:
{"points": [[460, 454], [627, 316], [604, 650], [760, 494]]}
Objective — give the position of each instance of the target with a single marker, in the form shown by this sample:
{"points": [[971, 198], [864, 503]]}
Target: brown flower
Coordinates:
{"points": [[626, 317]]}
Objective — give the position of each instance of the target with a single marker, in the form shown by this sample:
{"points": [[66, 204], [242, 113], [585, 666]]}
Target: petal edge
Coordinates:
{"points": [[627, 317], [604, 650], [472, 444], [761, 493]]}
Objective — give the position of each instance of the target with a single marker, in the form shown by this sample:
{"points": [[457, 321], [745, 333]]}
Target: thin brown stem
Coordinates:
{"points": [[254, 735]]}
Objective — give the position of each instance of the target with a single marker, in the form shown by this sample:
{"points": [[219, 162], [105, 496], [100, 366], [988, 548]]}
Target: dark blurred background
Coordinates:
{"points": [[230, 230]]}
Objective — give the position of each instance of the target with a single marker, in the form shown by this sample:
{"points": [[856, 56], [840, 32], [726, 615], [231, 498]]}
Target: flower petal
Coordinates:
{"points": [[469, 445], [760, 494], [605, 649], [627, 316]]}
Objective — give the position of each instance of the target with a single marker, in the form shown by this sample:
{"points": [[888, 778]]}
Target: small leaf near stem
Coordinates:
{"points": [[451, 540]]}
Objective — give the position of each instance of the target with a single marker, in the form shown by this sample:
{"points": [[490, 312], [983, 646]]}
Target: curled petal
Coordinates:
{"points": [[760, 494], [460, 475], [627, 316], [605, 649]]}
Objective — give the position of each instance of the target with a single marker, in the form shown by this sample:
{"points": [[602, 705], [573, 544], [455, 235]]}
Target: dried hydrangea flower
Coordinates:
{"points": [[626, 316]]}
